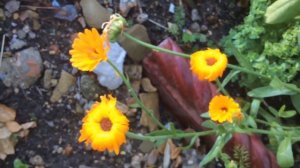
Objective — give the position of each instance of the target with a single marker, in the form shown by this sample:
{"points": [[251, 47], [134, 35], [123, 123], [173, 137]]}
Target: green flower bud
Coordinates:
{"points": [[114, 27]]}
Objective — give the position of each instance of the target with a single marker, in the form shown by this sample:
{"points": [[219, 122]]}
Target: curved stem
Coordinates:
{"points": [[134, 95], [176, 135], [155, 48], [219, 84]]}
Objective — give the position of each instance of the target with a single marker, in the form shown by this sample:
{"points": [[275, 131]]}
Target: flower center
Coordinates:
{"points": [[105, 124], [211, 61], [224, 109]]}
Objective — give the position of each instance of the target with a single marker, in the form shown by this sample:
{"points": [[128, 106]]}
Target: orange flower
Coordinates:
{"points": [[223, 108], [104, 126], [88, 49], [208, 64]]}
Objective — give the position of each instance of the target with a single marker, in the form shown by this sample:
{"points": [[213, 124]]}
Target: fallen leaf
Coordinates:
{"points": [[6, 114], [4, 133], [28, 125], [13, 126]]}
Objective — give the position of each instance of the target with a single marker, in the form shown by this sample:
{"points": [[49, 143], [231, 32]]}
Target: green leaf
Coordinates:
{"points": [[296, 102], [229, 77], [268, 91], [193, 140], [209, 124], [19, 164], [201, 37], [188, 37], [216, 149], [282, 10], [134, 106], [255, 104], [287, 114], [251, 122], [284, 155], [205, 115]]}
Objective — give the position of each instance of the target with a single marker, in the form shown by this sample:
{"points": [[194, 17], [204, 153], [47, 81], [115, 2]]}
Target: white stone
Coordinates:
{"points": [[106, 75]]}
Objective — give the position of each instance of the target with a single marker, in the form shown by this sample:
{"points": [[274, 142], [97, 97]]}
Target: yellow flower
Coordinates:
{"points": [[223, 108], [104, 126], [208, 64], [88, 49]]}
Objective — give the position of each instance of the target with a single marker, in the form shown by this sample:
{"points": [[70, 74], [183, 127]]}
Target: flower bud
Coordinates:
{"points": [[114, 27]]}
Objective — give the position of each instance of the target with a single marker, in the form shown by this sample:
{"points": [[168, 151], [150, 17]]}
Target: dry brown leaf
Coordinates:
{"points": [[13, 126], [175, 151], [28, 125], [6, 113], [2, 156], [7, 146], [4, 133]]}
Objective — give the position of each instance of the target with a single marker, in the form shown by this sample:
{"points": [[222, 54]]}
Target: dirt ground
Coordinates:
{"points": [[58, 124]]}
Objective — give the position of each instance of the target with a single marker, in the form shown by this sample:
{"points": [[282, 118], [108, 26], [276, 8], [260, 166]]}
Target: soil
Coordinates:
{"points": [[58, 124]]}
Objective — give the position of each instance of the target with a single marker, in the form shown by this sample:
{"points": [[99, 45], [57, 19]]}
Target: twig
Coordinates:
{"points": [[38, 7], [2, 48]]}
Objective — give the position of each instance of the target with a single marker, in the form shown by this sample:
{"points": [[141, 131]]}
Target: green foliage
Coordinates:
{"points": [[284, 155], [241, 155], [282, 10], [193, 37], [270, 50], [179, 16], [19, 164]]}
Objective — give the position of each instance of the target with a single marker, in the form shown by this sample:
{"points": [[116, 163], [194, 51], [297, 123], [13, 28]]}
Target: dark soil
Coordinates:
{"points": [[58, 124]]}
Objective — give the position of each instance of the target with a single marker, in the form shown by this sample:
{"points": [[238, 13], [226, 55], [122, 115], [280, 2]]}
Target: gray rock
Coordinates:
{"points": [[12, 6], [126, 5], [16, 44], [94, 13], [67, 12], [37, 160], [23, 69], [135, 51], [26, 29], [195, 15], [21, 34], [134, 72], [47, 78], [106, 75], [89, 87], [195, 27]]}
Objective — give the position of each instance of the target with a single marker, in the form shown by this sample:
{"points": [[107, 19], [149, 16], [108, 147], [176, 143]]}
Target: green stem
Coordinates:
{"points": [[155, 48], [235, 67], [134, 95], [176, 135], [253, 130], [219, 84], [284, 127]]}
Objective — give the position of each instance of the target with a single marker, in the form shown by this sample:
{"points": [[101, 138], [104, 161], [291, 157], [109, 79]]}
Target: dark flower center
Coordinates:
{"points": [[224, 109], [211, 61], [105, 124]]}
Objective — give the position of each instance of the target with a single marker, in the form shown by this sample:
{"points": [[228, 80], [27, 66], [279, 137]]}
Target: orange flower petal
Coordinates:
{"points": [[88, 49], [223, 108], [104, 139], [208, 64]]}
